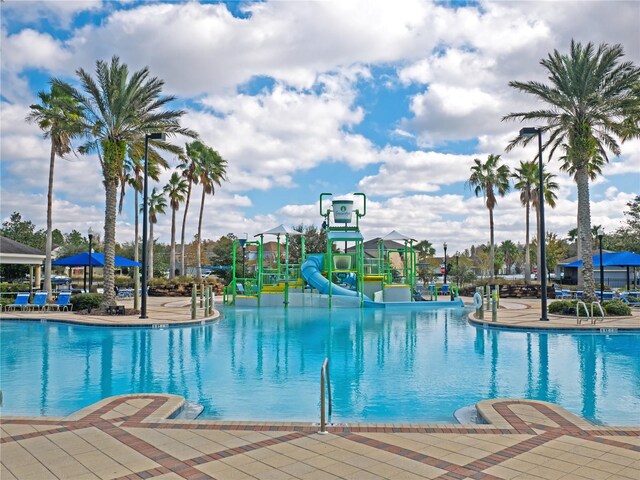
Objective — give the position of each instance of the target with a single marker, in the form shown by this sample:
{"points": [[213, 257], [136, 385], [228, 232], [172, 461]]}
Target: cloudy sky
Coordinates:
{"points": [[393, 99]]}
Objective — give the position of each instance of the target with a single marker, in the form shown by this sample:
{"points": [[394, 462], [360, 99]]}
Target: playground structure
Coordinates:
{"points": [[346, 278]]}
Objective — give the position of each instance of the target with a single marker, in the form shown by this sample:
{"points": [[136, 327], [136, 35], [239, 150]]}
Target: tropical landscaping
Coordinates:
{"points": [[589, 107]]}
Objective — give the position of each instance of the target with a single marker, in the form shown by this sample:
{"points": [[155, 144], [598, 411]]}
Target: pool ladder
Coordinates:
{"points": [[324, 379], [588, 314]]}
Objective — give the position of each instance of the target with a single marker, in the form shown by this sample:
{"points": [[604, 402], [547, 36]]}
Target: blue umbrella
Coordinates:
{"points": [[97, 260]]}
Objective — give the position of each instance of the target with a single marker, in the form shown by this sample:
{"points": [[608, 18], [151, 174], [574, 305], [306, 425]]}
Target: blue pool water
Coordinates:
{"points": [[386, 365]]}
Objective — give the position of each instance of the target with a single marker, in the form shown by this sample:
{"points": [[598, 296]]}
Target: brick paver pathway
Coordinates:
{"points": [[130, 437]]}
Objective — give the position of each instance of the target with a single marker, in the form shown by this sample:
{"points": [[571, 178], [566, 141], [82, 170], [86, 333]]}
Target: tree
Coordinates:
{"points": [[548, 194], [211, 170], [176, 190], [188, 167], [525, 177], [119, 109], [490, 178], [593, 102], [627, 237], [556, 250], [425, 251], [509, 254], [157, 205], [58, 116]]}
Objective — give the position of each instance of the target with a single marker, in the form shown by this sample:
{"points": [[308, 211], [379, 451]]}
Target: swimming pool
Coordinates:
{"points": [[264, 364]]}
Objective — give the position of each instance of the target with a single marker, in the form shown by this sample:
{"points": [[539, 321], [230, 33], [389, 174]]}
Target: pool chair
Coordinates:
{"points": [[39, 301], [632, 302], [22, 300], [444, 290], [62, 303], [239, 289]]}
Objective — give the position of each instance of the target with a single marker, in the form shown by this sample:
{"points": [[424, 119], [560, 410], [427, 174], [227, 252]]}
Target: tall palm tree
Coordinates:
{"points": [[550, 187], [176, 190], [211, 170], [525, 177], [188, 167], [133, 176], [592, 103], [60, 119], [157, 205], [490, 178], [119, 109]]}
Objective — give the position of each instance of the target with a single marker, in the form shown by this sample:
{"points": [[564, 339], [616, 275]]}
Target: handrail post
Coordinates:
{"points": [[324, 376]]}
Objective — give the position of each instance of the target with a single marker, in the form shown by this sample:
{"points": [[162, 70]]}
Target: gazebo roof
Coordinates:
{"points": [[16, 253]]}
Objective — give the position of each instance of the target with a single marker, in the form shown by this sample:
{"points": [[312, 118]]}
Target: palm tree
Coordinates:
{"points": [[490, 178], [549, 194], [133, 176], [157, 205], [119, 109], [176, 190], [525, 177], [211, 170], [592, 103], [188, 167], [60, 119]]}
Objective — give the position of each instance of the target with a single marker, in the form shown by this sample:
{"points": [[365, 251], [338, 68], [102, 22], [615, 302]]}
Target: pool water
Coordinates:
{"points": [[386, 366]]}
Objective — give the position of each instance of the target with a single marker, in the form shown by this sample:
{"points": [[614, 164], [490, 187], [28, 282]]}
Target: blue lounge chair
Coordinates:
{"points": [[62, 303], [444, 290], [22, 300], [39, 301], [631, 303]]}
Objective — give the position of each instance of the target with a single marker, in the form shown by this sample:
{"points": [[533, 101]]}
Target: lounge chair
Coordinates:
{"points": [[444, 290], [62, 303], [239, 289], [22, 300], [631, 303], [39, 301]]}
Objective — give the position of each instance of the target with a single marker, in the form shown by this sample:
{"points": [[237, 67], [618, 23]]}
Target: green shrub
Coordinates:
{"points": [[123, 281], [616, 308], [564, 307], [14, 287], [86, 301]]}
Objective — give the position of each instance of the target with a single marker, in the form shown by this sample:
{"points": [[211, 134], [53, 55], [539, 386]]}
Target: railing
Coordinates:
{"points": [[593, 319], [586, 312], [324, 377]]}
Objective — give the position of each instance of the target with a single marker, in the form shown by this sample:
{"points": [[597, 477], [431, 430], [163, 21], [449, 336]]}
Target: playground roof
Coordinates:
{"points": [[342, 235], [280, 230], [396, 235]]}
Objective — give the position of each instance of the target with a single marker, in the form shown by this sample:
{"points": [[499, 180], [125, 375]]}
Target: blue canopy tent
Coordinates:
{"points": [[95, 260], [613, 259]]}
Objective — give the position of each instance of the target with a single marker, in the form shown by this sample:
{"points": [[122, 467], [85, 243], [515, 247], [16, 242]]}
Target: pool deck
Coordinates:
{"points": [[131, 437]]}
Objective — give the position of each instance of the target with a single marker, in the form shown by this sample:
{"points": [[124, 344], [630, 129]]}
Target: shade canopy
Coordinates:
{"points": [[97, 260], [396, 235], [613, 259], [280, 230]]}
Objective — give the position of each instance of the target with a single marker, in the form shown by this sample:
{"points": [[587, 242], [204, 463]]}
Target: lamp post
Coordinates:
{"points": [[458, 270], [90, 234], [529, 132], [600, 233], [243, 244], [145, 202], [445, 262]]}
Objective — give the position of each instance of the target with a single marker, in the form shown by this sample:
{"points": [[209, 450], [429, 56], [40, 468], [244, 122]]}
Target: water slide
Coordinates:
{"points": [[311, 273]]}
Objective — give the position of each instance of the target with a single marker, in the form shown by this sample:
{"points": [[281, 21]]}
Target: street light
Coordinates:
{"points": [[600, 233], [243, 242], [90, 234], [445, 262], [458, 270], [529, 132], [145, 201]]}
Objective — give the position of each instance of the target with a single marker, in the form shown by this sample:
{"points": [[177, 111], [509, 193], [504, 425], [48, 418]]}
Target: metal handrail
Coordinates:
{"points": [[586, 311], [593, 319], [324, 375]]}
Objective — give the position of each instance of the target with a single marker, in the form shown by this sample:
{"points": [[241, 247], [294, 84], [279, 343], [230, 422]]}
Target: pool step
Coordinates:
{"points": [[468, 415], [188, 411]]}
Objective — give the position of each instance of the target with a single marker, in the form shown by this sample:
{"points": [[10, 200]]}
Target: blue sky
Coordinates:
{"points": [[393, 99]]}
